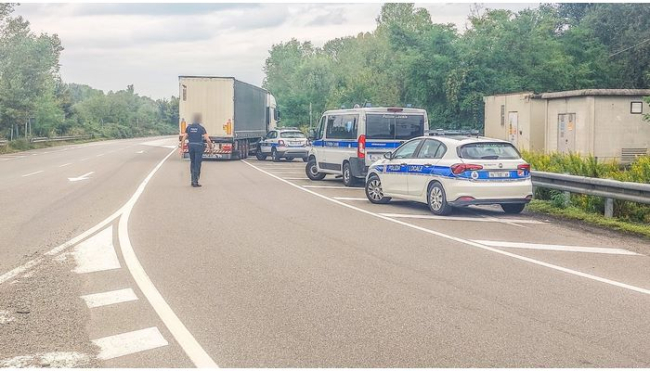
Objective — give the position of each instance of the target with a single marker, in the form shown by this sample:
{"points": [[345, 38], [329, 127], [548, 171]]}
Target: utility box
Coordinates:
{"points": [[517, 118]]}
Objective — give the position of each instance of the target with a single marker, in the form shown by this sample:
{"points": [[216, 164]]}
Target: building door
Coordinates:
{"points": [[513, 127], [566, 136]]}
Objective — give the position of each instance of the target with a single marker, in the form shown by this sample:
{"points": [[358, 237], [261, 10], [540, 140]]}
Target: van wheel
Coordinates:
{"points": [[312, 170], [374, 192], [513, 208], [289, 158], [348, 179], [437, 200], [305, 159], [259, 155], [274, 155]]}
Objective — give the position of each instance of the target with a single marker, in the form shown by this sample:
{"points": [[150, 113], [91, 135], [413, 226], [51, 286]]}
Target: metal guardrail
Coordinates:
{"points": [[54, 139], [607, 188]]}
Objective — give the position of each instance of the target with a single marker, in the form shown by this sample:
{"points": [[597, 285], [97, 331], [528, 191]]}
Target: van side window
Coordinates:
{"points": [[342, 127], [321, 129]]}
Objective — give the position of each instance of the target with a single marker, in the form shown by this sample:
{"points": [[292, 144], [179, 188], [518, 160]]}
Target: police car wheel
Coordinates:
{"points": [[312, 171], [437, 200], [260, 156], [305, 159], [274, 155], [513, 208], [374, 192], [348, 179]]}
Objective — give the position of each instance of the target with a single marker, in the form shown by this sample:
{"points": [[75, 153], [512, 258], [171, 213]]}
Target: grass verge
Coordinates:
{"points": [[21, 145], [574, 213]]}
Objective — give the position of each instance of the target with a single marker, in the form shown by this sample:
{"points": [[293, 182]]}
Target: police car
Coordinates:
{"points": [[452, 171], [288, 143]]}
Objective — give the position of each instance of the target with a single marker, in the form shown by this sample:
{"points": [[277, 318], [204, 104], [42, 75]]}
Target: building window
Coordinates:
{"points": [[636, 107], [184, 93], [503, 115]]}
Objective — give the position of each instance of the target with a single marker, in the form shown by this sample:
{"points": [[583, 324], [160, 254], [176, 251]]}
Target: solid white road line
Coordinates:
{"points": [[110, 297], [96, 254], [536, 246], [351, 198], [129, 343], [34, 173], [182, 335], [64, 165], [464, 241], [459, 218], [295, 178]]}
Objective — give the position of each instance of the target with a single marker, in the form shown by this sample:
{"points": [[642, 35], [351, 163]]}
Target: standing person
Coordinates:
{"points": [[195, 133]]}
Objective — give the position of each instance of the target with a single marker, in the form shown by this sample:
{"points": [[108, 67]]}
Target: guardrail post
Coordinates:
{"points": [[609, 208], [566, 199]]}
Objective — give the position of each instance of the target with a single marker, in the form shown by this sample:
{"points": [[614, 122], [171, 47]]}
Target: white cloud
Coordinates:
{"points": [[109, 46]]}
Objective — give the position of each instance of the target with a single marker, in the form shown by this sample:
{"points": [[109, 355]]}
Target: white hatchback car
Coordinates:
{"points": [[288, 143], [446, 172]]}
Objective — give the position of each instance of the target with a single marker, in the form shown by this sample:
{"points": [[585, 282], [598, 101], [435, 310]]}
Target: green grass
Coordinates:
{"points": [[21, 145], [574, 213]]}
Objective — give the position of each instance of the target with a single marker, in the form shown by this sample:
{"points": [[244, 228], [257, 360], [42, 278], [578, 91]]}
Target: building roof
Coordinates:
{"points": [[595, 92]]}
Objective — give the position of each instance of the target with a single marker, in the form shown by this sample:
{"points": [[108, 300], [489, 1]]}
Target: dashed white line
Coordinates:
{"points": [[107, 298], [101, 154], [64, 165], [34, 173], [535, 246], [464, 241], [333, 187], [350, 198], [129, 343], [459, 218], [295, 178]]}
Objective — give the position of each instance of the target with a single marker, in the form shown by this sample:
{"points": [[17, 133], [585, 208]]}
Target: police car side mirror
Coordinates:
{"points": [[388, 155]]}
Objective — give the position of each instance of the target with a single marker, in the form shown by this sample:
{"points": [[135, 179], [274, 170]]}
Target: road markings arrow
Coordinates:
{"points": [[83, 177]]}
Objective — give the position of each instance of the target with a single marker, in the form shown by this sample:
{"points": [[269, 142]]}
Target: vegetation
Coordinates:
{"points": [[409, 60], [638, 171], [32, 93]]}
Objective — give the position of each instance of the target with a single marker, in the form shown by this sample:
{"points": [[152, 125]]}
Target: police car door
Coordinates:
{"points": [[396, 177], [423, 167], [267, 143]]}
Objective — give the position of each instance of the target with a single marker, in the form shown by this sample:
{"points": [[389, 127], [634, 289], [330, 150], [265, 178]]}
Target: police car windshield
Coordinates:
{"points": [[292, 134], [488, 151], [394, 126]]}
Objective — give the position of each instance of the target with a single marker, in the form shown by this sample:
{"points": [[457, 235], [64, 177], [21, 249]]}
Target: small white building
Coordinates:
{"points": [[606, 123]]}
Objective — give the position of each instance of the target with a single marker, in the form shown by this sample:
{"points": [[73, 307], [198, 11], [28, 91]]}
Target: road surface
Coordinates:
{"points": [[109, 258]]}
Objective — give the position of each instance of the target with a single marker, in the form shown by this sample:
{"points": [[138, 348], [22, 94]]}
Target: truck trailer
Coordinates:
{"points": [[235, 114]]}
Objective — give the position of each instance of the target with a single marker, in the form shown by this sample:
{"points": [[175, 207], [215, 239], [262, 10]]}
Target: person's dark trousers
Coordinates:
{"points": [[196, 155]]}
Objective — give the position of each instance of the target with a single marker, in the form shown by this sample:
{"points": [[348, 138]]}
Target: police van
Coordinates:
{"points": [[348, 141]]}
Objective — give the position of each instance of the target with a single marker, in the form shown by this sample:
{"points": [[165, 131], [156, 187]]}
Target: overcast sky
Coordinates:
{"points": [[109, 46]]}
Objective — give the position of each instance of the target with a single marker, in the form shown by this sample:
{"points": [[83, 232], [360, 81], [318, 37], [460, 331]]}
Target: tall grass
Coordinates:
{"points": [[638, 172]]}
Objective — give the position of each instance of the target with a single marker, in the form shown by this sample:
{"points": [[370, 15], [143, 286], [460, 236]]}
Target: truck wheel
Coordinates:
{"points": [[513, 208], [312, 170], [289, 158], [348, 179], [274, 155], [437, 200], [374, 192]]}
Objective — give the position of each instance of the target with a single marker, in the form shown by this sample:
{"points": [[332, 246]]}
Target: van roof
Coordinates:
{"points": [[377, 110]]}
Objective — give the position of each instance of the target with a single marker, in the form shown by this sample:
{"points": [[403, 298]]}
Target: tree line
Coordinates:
{"points": [[408, 59], [34, 99]]}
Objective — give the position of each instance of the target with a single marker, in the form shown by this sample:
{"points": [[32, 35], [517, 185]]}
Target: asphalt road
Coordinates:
{"points": [[263, 268]]}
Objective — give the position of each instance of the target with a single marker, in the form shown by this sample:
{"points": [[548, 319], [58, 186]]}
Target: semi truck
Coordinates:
{"points": [[236, 115]]}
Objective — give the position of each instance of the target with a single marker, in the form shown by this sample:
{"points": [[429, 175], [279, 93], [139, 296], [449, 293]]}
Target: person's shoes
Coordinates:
{"points": [[194, 185], [198, 185]]}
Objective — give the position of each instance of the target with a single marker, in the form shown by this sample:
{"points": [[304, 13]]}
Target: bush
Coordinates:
{"points": [[638, 172]]}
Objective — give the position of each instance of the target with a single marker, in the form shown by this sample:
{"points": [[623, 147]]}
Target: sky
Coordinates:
{"points": [[109, 46]]}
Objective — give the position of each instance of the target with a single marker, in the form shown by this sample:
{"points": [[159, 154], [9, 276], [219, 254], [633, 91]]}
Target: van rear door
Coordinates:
{"points": [[387, 131]]}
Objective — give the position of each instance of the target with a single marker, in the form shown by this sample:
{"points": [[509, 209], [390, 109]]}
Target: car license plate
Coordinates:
{"points": [[295, 144], [499, 174]]}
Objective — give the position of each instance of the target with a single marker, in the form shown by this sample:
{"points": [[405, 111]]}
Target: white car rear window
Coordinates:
{"points": [[488, 151], [292, 134]]}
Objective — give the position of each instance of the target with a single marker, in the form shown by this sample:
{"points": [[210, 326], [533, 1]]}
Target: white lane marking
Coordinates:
{"points": [[34, 154], [351, 198], [82, 177], [334, 187], [535, 246], [182, 335], [110, 297], [6, 317], [296, 178], [140, 152], [96, 254], [54, 360], [464, 241], [19, 270], [458, 218], [129, 343], [102, 154], [34, 173], [64, 165], [490, 218]]}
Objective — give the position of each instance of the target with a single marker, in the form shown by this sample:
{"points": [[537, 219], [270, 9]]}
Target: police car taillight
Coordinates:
{"points": [[395, 109], [461, 168], [522, 169], [281, 142], [361, 146]]}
